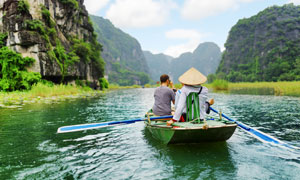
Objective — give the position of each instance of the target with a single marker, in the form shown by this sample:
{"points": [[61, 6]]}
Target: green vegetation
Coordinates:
{"points": [[103, 83], [116, 86], [284, 88], [45, 92], [13, 74], [47, 17], [35, 25], [3, 38], [64, 59], [264, 47], [89, 52], [70, 3], [23, 6], [220, 84], [123, 55], [126, 77]]}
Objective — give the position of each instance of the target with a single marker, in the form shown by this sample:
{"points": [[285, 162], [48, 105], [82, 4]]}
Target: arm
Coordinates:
{"points": [[172, 94], [180, 106], [203, 102]]}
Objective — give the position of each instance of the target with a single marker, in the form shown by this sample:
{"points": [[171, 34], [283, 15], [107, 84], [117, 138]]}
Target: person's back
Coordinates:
{"points": [[163, 96], [185, 91], [192, 80]]}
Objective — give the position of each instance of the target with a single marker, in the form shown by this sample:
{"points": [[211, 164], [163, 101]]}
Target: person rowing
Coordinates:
{"points": [[163, 96]]}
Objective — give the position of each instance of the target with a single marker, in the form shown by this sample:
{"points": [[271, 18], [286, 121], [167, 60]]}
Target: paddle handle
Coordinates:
{"points": [[228, 118]]}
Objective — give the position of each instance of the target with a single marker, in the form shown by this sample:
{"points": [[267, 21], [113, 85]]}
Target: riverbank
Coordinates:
{"points": [[45, 93], [52, 93], [284, 88]]}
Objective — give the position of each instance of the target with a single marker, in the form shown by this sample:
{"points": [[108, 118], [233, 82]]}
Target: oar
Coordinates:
{"points": [[258, 134], [82, 127]]}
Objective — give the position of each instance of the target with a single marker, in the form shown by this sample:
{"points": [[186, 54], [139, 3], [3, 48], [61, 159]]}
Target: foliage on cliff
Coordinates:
{"points": [[125, 62], [264, 47], [13, 73], [58, 35]]}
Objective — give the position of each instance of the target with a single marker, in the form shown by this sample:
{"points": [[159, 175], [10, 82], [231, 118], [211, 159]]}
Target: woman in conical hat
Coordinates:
{"points": [[191, 80]]}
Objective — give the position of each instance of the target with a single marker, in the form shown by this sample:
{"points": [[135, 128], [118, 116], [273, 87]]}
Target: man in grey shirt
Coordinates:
{"points": [[163, 97]]}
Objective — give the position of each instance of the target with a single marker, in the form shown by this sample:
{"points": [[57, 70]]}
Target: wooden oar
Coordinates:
{"points": [[258, 134], [82, 127]]}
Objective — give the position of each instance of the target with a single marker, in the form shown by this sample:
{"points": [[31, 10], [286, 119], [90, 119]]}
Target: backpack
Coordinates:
{"points": [[193, 106]]}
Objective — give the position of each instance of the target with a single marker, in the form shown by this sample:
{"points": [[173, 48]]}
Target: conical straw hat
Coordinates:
{"points": [[192, 77]]}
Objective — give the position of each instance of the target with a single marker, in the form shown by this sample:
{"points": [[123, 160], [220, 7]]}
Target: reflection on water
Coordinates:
{"points": [[31, 149], [206, 160]]}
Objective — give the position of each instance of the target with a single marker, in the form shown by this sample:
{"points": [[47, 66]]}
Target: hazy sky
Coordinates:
{"points": [[176, 26]]}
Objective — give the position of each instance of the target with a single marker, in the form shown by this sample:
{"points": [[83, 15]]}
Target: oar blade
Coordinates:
{"points": [[261, 136], [81, 127]]}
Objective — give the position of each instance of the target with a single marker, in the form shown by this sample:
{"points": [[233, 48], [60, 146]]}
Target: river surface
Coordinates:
{"points": [[30, 148]]}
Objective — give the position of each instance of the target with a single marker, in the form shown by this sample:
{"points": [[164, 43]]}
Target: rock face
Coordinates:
{"points": [[205, 58], [121, 53], [65, 19], [159, 64], [264, 47]]}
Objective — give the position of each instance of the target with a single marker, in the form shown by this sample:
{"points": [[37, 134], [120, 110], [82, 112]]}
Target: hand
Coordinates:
{"points": [[211, 101], [169, 123], [171, 84]]}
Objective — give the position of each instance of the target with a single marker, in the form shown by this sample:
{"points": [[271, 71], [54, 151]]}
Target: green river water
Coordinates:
{"points": [[30, 148]]}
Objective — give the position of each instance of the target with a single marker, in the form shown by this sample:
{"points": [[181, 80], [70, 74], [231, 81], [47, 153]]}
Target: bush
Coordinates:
{"points": [[64, 59], [13, 74], [103, 83], [71, 3], [211, 78], [23, 6], [147, 86], [36, 25], [3, 38], [220, 84], [47, 17]]}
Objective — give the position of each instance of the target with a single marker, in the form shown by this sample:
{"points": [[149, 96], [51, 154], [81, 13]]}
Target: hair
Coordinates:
{"points": [[164, 78]]}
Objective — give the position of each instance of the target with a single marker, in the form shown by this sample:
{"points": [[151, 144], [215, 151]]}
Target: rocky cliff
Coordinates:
{"points": [[264, 47], [57, 34], [124, 58]]}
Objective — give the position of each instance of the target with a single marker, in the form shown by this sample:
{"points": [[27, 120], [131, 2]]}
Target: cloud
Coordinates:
{"points": [[198, 9], [192, 37], [139, 13], [95, 5], [296, 2]]}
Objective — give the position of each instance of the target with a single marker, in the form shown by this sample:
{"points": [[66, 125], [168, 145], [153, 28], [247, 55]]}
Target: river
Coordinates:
{"points": [[30, 148]]}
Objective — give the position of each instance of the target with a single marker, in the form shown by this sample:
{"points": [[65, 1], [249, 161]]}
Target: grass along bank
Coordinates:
{"points": [[44, 93], [283, 88]]}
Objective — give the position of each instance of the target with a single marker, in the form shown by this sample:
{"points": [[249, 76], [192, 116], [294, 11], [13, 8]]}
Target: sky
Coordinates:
{"points": [[173, 27]]}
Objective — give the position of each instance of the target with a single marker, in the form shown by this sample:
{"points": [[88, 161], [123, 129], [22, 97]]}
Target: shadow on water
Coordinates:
{"points": [[194, 161]]}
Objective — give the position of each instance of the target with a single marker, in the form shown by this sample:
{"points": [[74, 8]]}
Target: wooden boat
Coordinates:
{"points": [[211, 130]]}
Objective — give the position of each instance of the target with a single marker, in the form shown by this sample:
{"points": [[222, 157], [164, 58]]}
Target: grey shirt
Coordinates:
{"points": [[163, 97]]}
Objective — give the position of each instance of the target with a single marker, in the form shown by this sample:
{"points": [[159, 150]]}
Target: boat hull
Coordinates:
{"points": [[191, 134]]}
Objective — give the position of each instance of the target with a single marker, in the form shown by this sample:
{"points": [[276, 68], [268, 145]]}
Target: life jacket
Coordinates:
{"points": [[193, 106]]}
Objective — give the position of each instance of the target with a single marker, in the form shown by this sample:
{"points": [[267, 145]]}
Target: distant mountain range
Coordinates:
{"points": [[127, 64], [124, 58], [206, 58]]}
